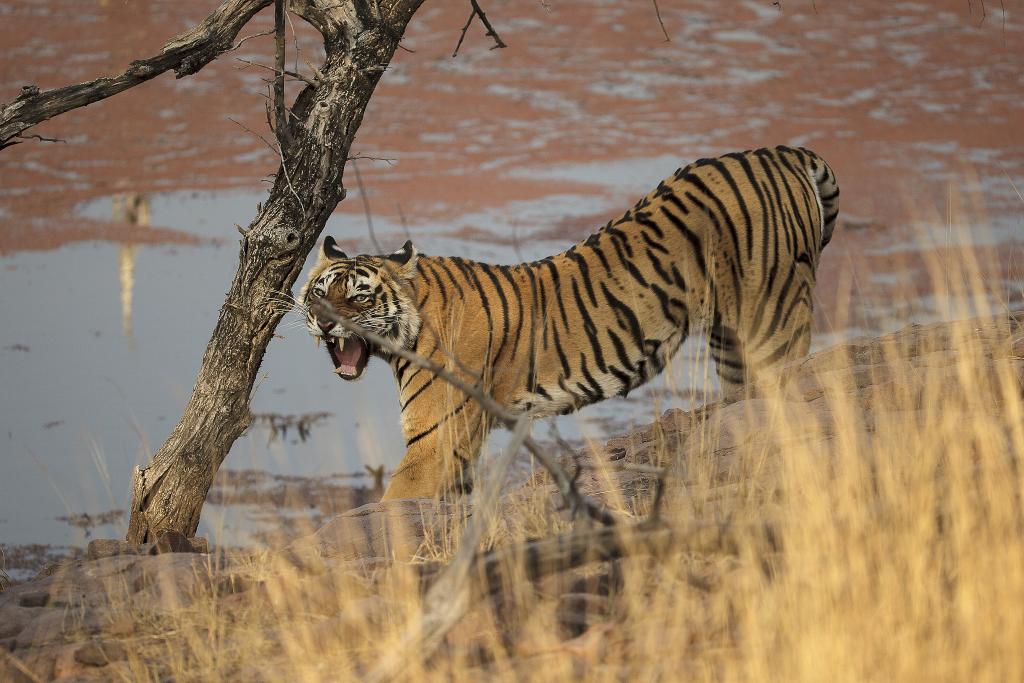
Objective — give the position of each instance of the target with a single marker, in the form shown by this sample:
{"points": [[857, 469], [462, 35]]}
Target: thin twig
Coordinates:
{"points": [[575, 501], [478, 12], [657, 11], [41, 138], [293, 74], [243, 40], [366, 208], [498, 42], [281, 120], [401, 219], [280, 154], [386, 160]]}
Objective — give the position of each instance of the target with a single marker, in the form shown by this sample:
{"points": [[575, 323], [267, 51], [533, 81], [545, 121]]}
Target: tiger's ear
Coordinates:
{"points": [[404, 261], [331, 249]]}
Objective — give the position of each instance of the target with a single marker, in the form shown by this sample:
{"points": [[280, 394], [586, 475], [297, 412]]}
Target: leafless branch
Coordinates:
{"points": [[478, 12], [401, 218], [247, 38], [386, 160], [277, 150], [185, 54], [575, 501], [293, 74], [32, 136]]}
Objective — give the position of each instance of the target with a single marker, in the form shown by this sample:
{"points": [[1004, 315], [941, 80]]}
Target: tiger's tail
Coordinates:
{"points": [[828, 193]]}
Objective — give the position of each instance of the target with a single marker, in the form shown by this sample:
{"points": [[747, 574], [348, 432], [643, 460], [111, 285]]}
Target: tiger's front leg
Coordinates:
{"points": [[443, 436]]}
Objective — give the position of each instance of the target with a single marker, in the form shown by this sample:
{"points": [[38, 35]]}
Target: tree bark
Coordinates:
{"points": [[360, 39]]}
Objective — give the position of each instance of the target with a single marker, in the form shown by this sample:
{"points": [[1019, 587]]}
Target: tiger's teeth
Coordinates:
{"points": [[318, 339], [338, 371]]}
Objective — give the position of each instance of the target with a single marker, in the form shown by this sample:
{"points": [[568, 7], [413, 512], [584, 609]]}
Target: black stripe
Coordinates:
{"points": [[644, 219], [437, 424], [604, 259], [731, 181], [531, 373], [437, 278], [557, 343], [598, 391], [488, 270], [556, 283], [773, 326], [768, 294], [744, 162], [451, 276], [584, 273], [506, 272], [467, 270], [692, 238], [664, 300], [658, 267], [588, 325], [622, 311], [697, 182], [804, 180], [620, 350], [408, 402], [652, 243]]}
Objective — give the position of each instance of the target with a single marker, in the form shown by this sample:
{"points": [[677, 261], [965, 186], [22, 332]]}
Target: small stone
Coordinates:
{"points": [[13, 620], [170, 542], [38, 599], [100, 654]]}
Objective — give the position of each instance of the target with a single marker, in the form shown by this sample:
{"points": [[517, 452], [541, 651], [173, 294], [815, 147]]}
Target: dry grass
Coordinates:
{"points": [[897, 551]]}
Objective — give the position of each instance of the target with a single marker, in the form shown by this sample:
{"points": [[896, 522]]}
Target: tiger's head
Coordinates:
{"points": [[371, 291]]}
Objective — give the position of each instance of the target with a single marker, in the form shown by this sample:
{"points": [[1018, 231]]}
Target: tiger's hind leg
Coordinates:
{"points": [[730, 361], [769, 355]]}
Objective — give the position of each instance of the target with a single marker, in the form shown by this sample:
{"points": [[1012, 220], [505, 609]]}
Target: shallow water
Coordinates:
{"points": [[503, 155]]}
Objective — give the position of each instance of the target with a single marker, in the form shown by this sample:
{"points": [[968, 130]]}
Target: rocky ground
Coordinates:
{"points": [[121, 610]]}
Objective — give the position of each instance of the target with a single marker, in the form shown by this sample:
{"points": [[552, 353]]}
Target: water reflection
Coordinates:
{"points": [[133, 209]]}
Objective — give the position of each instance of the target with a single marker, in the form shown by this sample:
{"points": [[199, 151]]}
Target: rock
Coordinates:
{"points": [[37, 599]]}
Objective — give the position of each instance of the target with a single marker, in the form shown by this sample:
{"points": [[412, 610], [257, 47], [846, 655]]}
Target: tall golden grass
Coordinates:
{"points": [[889, 473]]}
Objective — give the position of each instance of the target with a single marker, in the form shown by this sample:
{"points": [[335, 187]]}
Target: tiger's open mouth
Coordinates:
{"points": [[349, 356]]}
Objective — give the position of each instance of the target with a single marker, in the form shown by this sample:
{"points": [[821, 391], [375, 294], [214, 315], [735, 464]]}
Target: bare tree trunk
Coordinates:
{"points": [[360, 40]]}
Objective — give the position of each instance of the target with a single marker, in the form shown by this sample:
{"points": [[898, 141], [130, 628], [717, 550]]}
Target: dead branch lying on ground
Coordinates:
{"points": [[570, 493], [186, 54]]}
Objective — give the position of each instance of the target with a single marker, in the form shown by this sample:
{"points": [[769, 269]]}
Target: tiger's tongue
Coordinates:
{"points": [[348, 354]]}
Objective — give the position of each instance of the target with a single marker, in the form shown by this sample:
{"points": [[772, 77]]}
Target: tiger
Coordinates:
{"points": [[728, 246]]}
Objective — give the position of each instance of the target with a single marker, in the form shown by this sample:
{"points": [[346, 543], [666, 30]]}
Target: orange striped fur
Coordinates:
{"points": [[728, 246]]}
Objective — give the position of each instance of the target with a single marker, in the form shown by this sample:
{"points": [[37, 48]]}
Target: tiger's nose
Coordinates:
{"points": [[325, 325]]}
